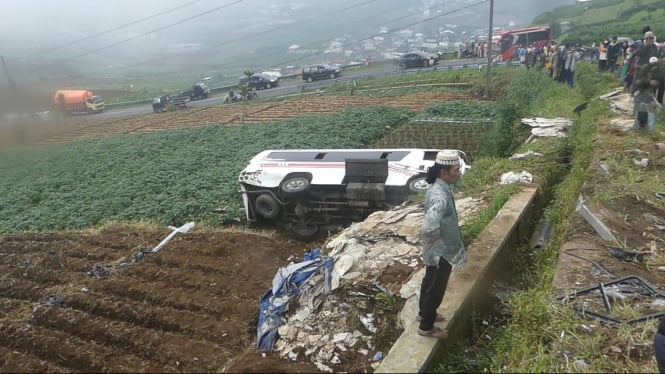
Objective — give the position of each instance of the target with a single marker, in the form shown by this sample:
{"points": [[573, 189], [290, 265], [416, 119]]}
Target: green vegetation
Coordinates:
{"points": [[459, 110], [589, 22], [167, 177]]}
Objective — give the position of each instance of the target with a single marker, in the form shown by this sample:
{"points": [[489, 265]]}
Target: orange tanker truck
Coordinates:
{"points": [[77, 101]]}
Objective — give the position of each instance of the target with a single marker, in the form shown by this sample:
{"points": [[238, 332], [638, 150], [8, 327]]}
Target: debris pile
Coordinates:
{"points": [[348, 323]]}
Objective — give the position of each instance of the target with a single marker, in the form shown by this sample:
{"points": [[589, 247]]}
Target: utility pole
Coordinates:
{"points": [[490, 51]]}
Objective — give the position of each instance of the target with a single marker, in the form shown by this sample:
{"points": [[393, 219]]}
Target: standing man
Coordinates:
{"points": [[441, 239], [614, 50], [572, 58], [642, 57]]}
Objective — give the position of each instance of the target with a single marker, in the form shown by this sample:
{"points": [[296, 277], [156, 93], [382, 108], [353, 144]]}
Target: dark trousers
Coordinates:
{"points": [[636, 77], [570, 78], [659, 90], [432, 291], [659, 347]]}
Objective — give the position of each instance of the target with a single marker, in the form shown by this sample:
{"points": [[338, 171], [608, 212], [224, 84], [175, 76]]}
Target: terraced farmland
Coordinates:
{"points": [[237, 114]]}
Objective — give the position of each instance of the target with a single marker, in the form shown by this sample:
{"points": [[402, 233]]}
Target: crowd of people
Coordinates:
{"points": [[639, 67]]}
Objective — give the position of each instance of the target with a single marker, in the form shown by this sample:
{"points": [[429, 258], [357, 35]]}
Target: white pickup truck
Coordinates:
{"points": [[310, 190]]}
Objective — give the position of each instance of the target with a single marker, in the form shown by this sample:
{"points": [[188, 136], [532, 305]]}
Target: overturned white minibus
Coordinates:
{"points": [[310, 190]]}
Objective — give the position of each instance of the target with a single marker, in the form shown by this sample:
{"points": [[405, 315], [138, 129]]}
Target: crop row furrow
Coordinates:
{"points": [[13, 361], [71, 351], [166, 347]]}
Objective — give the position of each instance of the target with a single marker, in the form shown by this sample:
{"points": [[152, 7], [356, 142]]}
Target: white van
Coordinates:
{"points": [[310, 190]]}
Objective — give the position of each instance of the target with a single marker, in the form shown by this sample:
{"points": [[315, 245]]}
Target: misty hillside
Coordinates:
{"points": [[170, 38], [598, 19]]}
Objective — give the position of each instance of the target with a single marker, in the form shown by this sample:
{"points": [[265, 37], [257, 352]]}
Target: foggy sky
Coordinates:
{"points": [[35, 25]]}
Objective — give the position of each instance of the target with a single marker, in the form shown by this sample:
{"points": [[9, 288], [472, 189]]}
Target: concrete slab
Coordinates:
{"points": [[413, 353]]}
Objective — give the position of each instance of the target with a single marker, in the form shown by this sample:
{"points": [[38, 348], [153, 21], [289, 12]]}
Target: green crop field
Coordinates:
{"points": [[166, 177]]}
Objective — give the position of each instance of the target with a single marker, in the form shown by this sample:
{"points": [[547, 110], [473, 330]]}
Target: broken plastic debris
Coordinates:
{"points": [[182, 229], [644, 162], [519, 156], [378, 356], [515, 177]]}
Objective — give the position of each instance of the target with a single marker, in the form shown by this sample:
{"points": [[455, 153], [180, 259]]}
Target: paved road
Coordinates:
{"points": [[293, 87]]}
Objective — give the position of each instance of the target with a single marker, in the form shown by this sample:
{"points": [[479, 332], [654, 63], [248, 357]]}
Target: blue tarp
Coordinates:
{"points": [[286, 285]]}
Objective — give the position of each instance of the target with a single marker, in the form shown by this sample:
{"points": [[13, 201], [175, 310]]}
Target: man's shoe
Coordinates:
{"points": [[436, 333]]}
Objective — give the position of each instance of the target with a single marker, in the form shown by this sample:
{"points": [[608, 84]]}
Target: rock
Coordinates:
{"points": [[341, 337]]}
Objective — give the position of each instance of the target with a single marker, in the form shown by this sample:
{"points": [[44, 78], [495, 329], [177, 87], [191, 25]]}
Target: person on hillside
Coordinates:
{"points": [[602, 54], [442, 241], [654, 73], [572, 58], [553, 58], [628, 68], [541, 59], [614, 50], [642, 57], [659, 345], [563, 73]]}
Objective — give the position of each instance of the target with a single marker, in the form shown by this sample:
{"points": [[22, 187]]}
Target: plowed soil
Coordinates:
{"points": [[191, 307]]}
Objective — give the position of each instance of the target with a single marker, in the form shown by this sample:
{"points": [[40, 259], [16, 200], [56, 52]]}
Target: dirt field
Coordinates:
{"points": [[191, 307]]}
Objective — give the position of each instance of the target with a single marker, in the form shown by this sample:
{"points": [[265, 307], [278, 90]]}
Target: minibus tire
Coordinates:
{"points": [[266, 206]]}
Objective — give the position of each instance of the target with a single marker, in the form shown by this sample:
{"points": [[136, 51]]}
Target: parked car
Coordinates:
{"points": [[321, 71], [589, 52], [259, 81], [416, 59], [312, 190]]}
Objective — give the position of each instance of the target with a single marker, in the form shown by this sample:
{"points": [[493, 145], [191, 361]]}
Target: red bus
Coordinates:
{"points": [[509, 40]]}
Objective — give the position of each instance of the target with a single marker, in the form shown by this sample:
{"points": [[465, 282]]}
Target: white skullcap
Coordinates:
{"points": [[448, 157], [653, 60]]}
